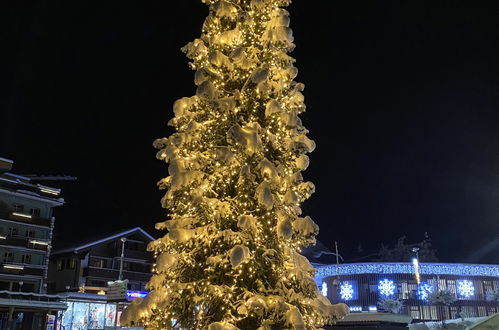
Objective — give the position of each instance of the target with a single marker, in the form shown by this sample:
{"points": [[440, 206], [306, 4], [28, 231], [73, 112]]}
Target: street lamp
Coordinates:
{"points": [[123, 240], [415, 263]]}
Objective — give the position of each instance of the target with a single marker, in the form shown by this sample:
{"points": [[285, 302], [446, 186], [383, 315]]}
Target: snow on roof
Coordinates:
{"points": [[78, 248]]}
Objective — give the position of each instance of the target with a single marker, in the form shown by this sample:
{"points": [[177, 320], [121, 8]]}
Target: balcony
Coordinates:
{"points": [[138, 254], [25, 242], [26, 218], [20, 269], [112, 274]]}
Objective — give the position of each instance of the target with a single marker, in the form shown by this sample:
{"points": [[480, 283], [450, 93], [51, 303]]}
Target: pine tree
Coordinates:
{"points": [[231, 256]]}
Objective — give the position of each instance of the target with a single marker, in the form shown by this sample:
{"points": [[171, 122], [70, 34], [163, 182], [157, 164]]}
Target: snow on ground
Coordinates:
{"points": [[456, 324]]}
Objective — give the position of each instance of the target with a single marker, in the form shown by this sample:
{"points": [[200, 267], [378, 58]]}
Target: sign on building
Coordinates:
{"points": [[116, 290]]}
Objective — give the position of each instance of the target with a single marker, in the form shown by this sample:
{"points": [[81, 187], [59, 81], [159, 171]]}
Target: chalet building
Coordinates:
{"points": [[26, 225], [88, 266]]}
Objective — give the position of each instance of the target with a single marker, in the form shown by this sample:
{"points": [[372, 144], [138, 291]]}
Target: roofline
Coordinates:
{"points": [[53, 201], [7, 160], [460, 269], [103, 240]]}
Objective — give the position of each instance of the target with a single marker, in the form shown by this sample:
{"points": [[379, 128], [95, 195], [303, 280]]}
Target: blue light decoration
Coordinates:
{"points": [[423, 290], [347, 291], [135, 294], [324, 289], [355, 308], [386, 287], [407, 268], [465, 288]]}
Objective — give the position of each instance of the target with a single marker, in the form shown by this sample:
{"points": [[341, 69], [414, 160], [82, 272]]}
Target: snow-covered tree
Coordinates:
{"points": [[441, 297], [492, 295], [231, 258], [391, 305]]}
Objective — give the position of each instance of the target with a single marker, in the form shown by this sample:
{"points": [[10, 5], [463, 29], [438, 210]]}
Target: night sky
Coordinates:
{"points": [[402, 100]]}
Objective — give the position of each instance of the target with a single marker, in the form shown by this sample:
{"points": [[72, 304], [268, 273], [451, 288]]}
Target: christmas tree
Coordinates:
{"points": [[231, 257]]}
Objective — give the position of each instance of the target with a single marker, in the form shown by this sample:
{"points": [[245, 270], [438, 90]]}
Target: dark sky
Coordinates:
{"points": [[402, 100]]}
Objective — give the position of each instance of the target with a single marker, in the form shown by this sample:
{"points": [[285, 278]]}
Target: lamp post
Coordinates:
{"points": [[123, 240], [415, 263]]}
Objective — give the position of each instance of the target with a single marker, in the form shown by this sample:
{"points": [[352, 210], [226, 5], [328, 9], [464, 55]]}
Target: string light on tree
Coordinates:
{"points": [[231, 257]]}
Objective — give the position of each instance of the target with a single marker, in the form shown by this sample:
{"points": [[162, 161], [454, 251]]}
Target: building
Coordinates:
{"points": [[80, 273], [26, 225], [88, 266], [362, 285]]}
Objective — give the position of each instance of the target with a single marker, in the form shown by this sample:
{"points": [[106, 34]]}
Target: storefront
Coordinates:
{"points": [[92, 311], [88, 311]]}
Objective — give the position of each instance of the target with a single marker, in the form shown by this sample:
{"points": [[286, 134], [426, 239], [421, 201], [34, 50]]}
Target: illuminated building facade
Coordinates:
{"points": [[362, 285], [26, 225]]}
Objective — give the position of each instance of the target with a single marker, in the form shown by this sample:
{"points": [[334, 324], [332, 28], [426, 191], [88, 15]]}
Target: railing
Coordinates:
{"points": [[26, 218], [112, 274], [20, 269], [138, 254], [23, 241]]}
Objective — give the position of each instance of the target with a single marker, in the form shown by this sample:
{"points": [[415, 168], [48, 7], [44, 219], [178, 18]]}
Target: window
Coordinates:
{"points": [[414, 312], [35, 211], [59, 264], [30, 233], [8, 256], [18, 207], [98, 263], [26, 258], [13, 231], [72, 263]]}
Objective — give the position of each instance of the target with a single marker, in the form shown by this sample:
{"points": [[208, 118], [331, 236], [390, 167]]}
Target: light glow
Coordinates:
{"points": [[136, 294], [34, 241], [22, 215], [346, 291], [355, 308], [373, 308], [415, 263], [324, 289], [465, 288], [386, 287], [16, 267], [423, 290], [407, 268]]}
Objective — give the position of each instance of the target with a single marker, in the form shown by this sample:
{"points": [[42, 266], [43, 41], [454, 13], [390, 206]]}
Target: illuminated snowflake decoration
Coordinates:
{"points": [[423, 290], [386, 287], [465, 288], [346, 291], [324, 289]]}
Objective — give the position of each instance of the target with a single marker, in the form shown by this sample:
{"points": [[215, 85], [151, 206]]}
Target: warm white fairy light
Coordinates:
{"points": [[231, 256]]}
